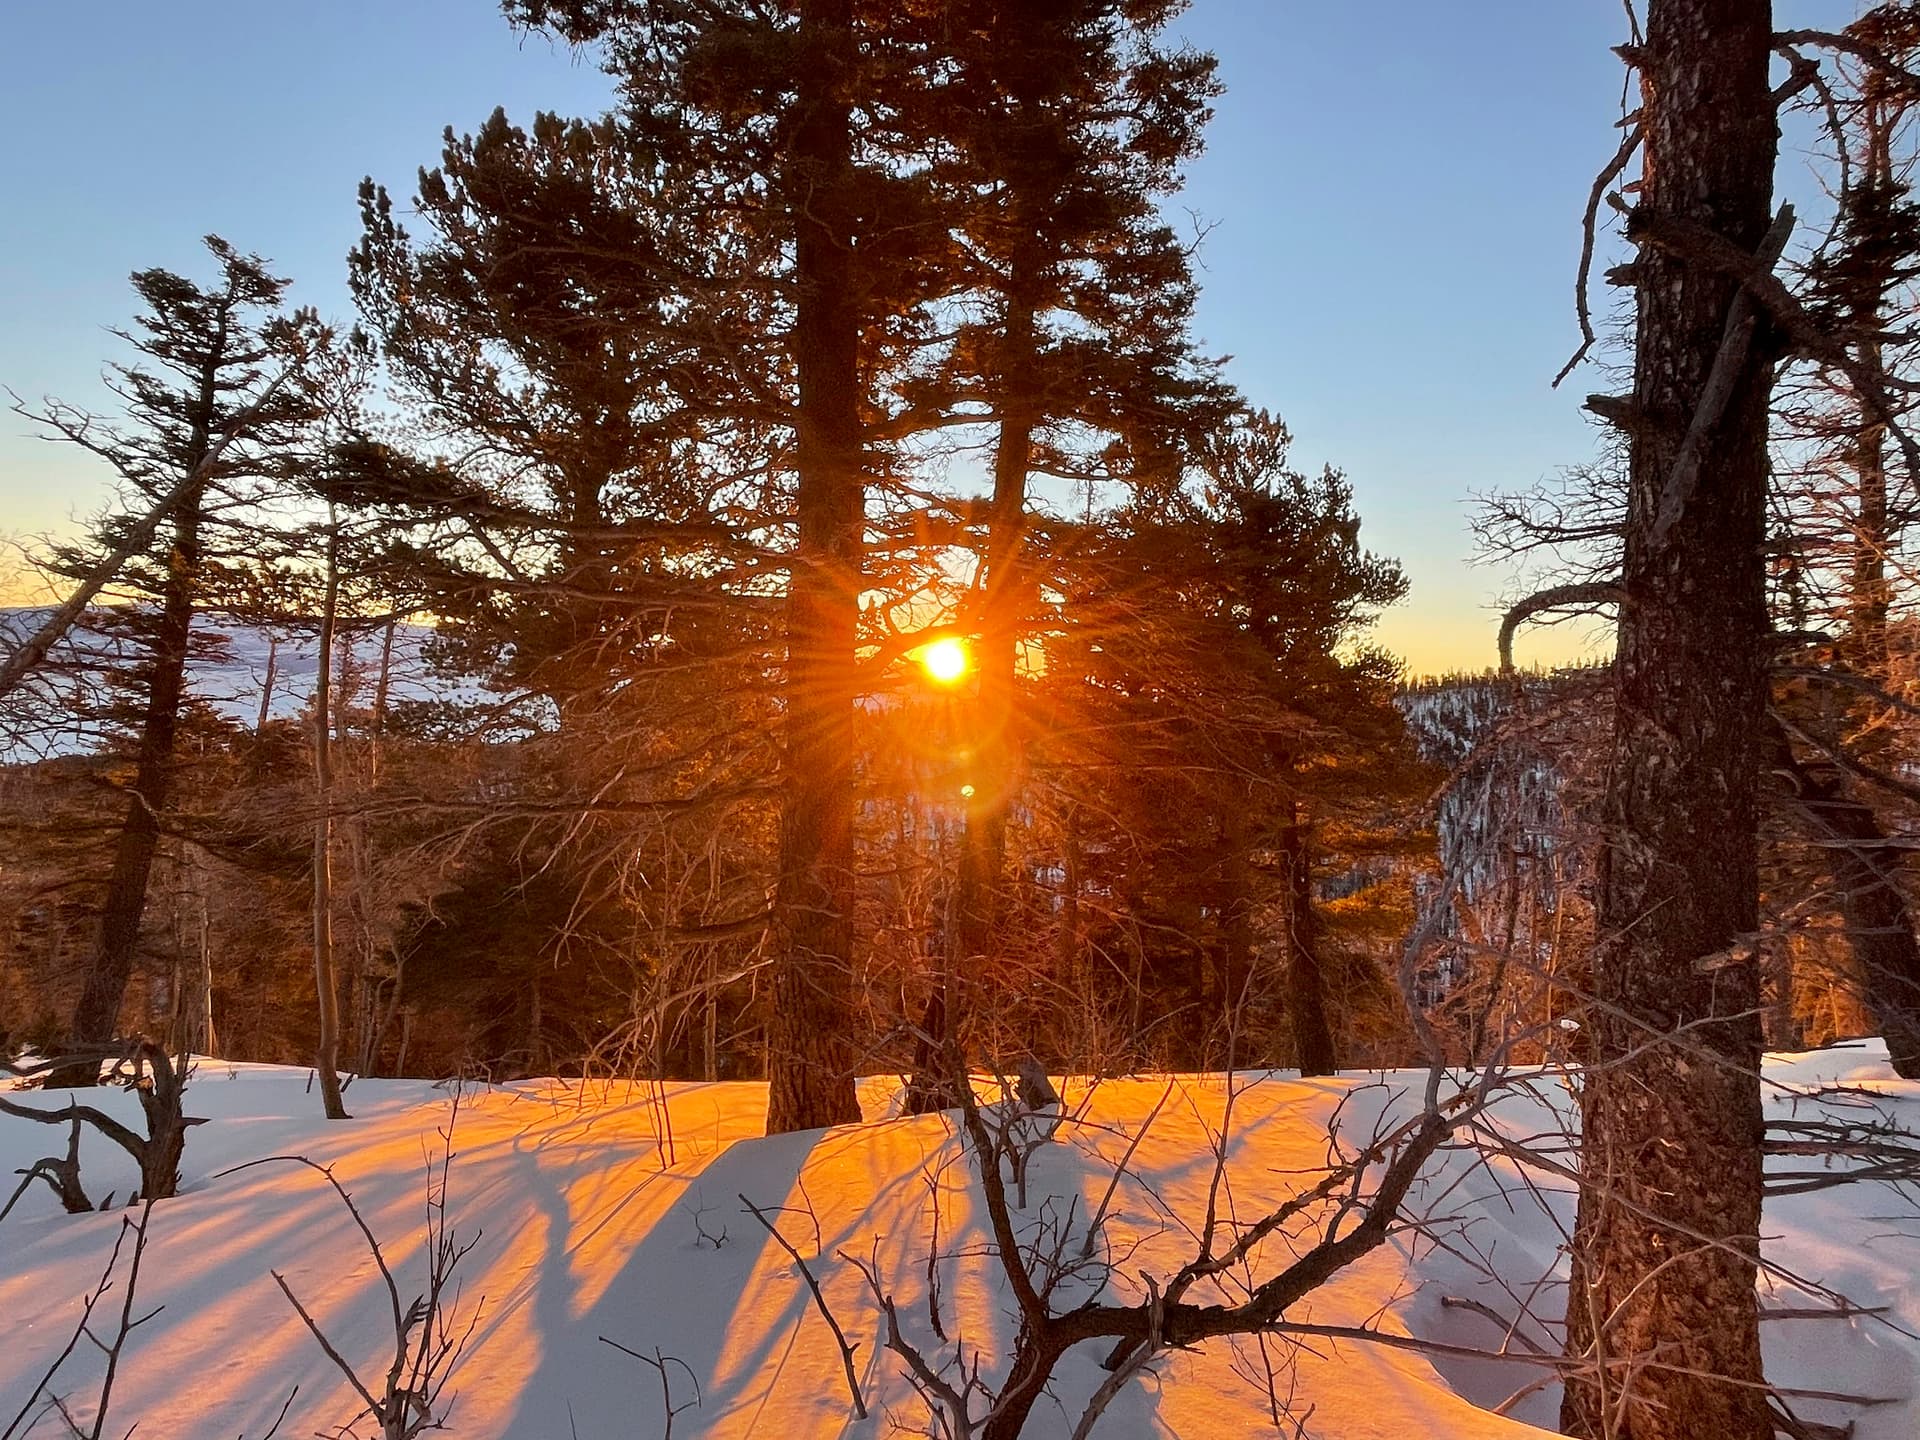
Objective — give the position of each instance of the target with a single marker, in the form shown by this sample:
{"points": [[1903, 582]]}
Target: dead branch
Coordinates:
{"points": [[1885, 66], [1729, 363], [1588, 225], [1808, 337], [158, 1081], [62, 1176], [820, 1303], [1557, 597], [950, 1404], [660, 1363]]}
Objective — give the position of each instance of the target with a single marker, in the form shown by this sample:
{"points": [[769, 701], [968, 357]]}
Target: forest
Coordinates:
{"points": [[766, 711]]}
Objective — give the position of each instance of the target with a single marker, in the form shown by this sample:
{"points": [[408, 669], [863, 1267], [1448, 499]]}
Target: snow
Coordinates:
{"points": [[588, 1201], [229, 671]]}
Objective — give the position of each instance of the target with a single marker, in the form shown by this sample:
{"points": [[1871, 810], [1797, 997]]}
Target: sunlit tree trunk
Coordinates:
{"points": [[1661, 1298]]}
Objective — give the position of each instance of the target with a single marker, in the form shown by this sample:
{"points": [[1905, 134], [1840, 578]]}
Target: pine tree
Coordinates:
{"points": [[541, 334], [207, 411], [1064, 124], [1664, 1245], [1208, 699], [795, 123], [583, 483]]}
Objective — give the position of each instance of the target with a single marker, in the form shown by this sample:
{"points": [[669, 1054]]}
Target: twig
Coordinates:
{"points": [[127, 1323], [320, 1336], [660, 1363], [86, 1313], [1589, 222], [820, 1303], [1113, 1180]]}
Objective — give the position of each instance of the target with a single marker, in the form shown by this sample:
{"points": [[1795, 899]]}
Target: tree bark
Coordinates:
{"points": [[1661, 1300], [809, 1051], [1313, 1044]]}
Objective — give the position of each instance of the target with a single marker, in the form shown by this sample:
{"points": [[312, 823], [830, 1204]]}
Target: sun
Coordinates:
{"points": [[945, 661]]}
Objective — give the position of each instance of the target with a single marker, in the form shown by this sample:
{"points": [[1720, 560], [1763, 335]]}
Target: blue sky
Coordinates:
{"points": [[1393, 189]]}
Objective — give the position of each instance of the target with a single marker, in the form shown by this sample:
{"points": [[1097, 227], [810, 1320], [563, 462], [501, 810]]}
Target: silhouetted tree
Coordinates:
{"points": [[795, 121], [1217, 722], [1063, 127], [207, 413]]}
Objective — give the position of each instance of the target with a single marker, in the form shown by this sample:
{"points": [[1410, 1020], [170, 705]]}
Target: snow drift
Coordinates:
{"points": [[609, 1210]]}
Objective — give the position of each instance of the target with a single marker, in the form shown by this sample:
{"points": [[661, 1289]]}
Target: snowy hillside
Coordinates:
{"points": [[597, 1214], [1500, 796], [240, 667]]}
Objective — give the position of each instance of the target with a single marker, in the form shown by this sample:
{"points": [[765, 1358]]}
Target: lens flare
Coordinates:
{"points": [[945, 661]]}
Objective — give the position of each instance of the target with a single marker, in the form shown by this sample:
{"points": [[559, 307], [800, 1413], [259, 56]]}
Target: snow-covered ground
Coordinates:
{"points": [[591, 1218]]}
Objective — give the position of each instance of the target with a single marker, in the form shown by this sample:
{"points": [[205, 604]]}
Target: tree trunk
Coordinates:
{"points": [[1865, 872], [1874, 909], [266, 685], [209, 1042], [1306, 986], [536, 1024], [97, 1016], [1873, 275], [327, 1058], [1233, 900], [1035, 1357], [994, 774], [1661, 1299], [809, 1052]]}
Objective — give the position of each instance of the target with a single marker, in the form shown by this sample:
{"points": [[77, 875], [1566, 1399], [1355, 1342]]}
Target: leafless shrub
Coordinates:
{"points": [[428, 1343], [111, 1347], [158, 1080]]}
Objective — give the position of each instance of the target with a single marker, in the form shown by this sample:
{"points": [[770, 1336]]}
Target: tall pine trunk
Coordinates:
{"points": [[1661, 1298], [980, 902], [97, 1016], [1306, 985], [809, 1049]]}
